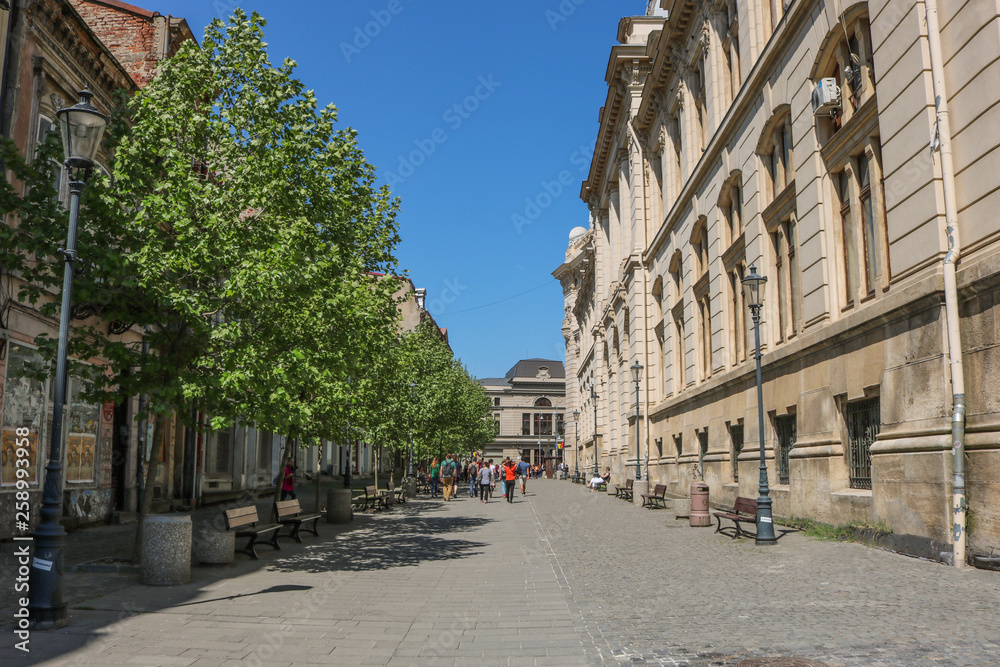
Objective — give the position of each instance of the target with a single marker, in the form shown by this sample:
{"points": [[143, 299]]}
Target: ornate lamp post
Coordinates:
{"points": [[413, 398], [636, 369], [82, 127], [576, 445], [593, 399], [753, 292]]}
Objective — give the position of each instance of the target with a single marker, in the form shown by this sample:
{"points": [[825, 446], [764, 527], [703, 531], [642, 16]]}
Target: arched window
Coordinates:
{"points": [[854, 162], [679, 361], [775, 151], [543, 403]]}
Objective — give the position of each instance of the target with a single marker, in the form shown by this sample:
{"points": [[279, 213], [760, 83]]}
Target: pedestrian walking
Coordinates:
{"points": [[503, 480], [435, 477], [509, 472], [522, 473], [448, 476], [473, 471], [288, 481], [493, 477], [485, 483]]}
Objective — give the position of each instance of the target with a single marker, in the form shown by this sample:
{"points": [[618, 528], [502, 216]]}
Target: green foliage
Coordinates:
{"points": [[852, 531]]}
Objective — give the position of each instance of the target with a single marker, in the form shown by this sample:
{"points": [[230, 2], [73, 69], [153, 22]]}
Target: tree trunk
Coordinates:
{"points": [[147, 492]]}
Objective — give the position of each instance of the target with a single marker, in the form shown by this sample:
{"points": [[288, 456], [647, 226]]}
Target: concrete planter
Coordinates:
{"points": [[213, 547], [166, 549], [682, 508], [338, 506]]}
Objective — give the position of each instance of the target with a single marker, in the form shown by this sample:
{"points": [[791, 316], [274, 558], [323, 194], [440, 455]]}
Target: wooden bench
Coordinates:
{"points": [[624, 492], [423, 486], [289, 513], [245, 520], [745, 511], [656, 498], [371, 496]]}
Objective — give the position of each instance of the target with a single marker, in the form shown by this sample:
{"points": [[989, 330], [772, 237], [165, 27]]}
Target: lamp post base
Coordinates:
{"points": [[765, 523], [46, 607]]}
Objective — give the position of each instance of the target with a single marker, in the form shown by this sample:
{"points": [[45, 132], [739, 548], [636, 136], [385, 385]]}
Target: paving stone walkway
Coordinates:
{"points": [[561, 577]]}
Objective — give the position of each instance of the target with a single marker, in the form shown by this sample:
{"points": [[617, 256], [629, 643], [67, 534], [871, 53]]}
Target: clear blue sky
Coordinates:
{"points": [[528, 79]]}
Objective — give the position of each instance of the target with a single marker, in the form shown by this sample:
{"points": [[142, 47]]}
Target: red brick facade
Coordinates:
{"points": [[137, 37]]}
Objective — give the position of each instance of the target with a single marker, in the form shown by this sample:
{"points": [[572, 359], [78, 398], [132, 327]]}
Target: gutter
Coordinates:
{"points": [[942, 133]]}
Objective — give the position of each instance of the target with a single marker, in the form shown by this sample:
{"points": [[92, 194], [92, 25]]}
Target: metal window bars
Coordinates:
{"points": [[785, 429], [864, 420]]}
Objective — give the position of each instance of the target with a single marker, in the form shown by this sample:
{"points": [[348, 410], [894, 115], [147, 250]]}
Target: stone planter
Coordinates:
{"points": [[166, 549], [213, 547], [682, 508], [338, 506]]}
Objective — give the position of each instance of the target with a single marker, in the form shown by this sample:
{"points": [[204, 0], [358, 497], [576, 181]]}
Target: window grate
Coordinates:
{"points": [[785, 428], [864, 419], [736, 433]]}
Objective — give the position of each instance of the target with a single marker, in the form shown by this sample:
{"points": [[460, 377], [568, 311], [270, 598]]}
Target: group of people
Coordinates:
{"points": [[483, 476]]}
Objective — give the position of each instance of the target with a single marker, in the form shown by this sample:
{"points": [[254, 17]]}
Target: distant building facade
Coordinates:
{"points": [[528, 407], [711, 158]]}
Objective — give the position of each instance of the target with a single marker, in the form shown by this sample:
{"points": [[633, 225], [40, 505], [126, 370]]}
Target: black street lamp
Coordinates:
{"points": [[753, 292], [593, 399], [82, 127], [636, 369], [413, 399], [576, 445]]}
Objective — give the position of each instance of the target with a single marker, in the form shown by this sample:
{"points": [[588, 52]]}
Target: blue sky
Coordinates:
{"points": [[482, 117]]}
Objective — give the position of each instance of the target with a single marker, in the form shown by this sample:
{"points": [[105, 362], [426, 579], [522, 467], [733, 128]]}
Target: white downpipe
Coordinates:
{"points": [[959, 506], [645, 292]]}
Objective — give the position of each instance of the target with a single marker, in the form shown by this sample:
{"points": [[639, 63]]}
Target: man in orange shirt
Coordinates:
{"points": [[509, 471]]}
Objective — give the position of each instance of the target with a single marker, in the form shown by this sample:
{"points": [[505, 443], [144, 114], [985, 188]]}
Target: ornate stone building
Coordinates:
{"points": [[529, 408], [794, 137]]}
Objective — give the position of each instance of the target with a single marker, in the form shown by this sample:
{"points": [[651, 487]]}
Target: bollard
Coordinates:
{"points": [[338, 506]]}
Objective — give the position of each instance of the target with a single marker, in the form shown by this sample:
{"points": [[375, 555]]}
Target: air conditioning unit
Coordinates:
{"points": [[826, 98]]}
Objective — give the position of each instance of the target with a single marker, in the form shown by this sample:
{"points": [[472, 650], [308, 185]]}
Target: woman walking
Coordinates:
{"points": [[435, 477], [288, 481], [485, 482]]}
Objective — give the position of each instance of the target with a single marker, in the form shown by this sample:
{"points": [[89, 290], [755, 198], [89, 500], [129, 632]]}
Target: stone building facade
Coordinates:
{"points": [[718, 149], [50, 52], [529, 407]]}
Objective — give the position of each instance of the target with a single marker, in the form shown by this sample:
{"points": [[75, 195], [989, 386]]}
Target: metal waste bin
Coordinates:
{"points": [[699, 505]]}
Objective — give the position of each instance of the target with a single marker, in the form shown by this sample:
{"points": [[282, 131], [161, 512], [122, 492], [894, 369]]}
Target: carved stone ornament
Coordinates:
{"points": [[705, 40], [57, 101], [680, 95]]}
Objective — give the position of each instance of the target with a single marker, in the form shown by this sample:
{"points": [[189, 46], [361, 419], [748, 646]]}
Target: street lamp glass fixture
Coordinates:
{"points": [[636, 369], [753, 289], [82, 129]]}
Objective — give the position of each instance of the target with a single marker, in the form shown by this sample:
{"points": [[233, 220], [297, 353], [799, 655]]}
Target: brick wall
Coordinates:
{"points": [[129, 32]]}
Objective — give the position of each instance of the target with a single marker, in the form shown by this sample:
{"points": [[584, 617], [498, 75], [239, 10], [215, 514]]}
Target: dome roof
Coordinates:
{"points": [[576, 233]]}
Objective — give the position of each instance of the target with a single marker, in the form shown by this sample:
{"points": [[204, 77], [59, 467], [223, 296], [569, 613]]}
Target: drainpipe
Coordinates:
{"points": [[959, 507], [645, 291]]}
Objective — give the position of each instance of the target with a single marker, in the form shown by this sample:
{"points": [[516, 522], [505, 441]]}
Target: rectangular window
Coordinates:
{"points": [[780, 270], [737, 322], [850, 238], [560, 429], [736, 435], [543, 423], [679, 445], [525, 423], [702, 449], [785, 430], [705, 315], [794, 283], [864, 421], [220, 460], [679, 352], [868, 223], [496, 402]]}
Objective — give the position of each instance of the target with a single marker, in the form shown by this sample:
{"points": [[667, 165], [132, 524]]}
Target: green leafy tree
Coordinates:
{"points": [[238, 235]]}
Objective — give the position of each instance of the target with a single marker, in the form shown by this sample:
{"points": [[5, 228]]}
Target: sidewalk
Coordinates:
{"points": [[559, 577]]}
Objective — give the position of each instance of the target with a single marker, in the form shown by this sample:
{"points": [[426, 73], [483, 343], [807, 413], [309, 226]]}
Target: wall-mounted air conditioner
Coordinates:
{"points": [[826, 98]]}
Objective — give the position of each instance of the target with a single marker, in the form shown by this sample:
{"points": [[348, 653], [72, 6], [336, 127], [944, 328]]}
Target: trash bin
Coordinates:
{"points": [[699, 505]]}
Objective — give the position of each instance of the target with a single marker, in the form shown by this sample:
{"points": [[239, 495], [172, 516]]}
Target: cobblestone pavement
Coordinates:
{"points": [[562, 576]]}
